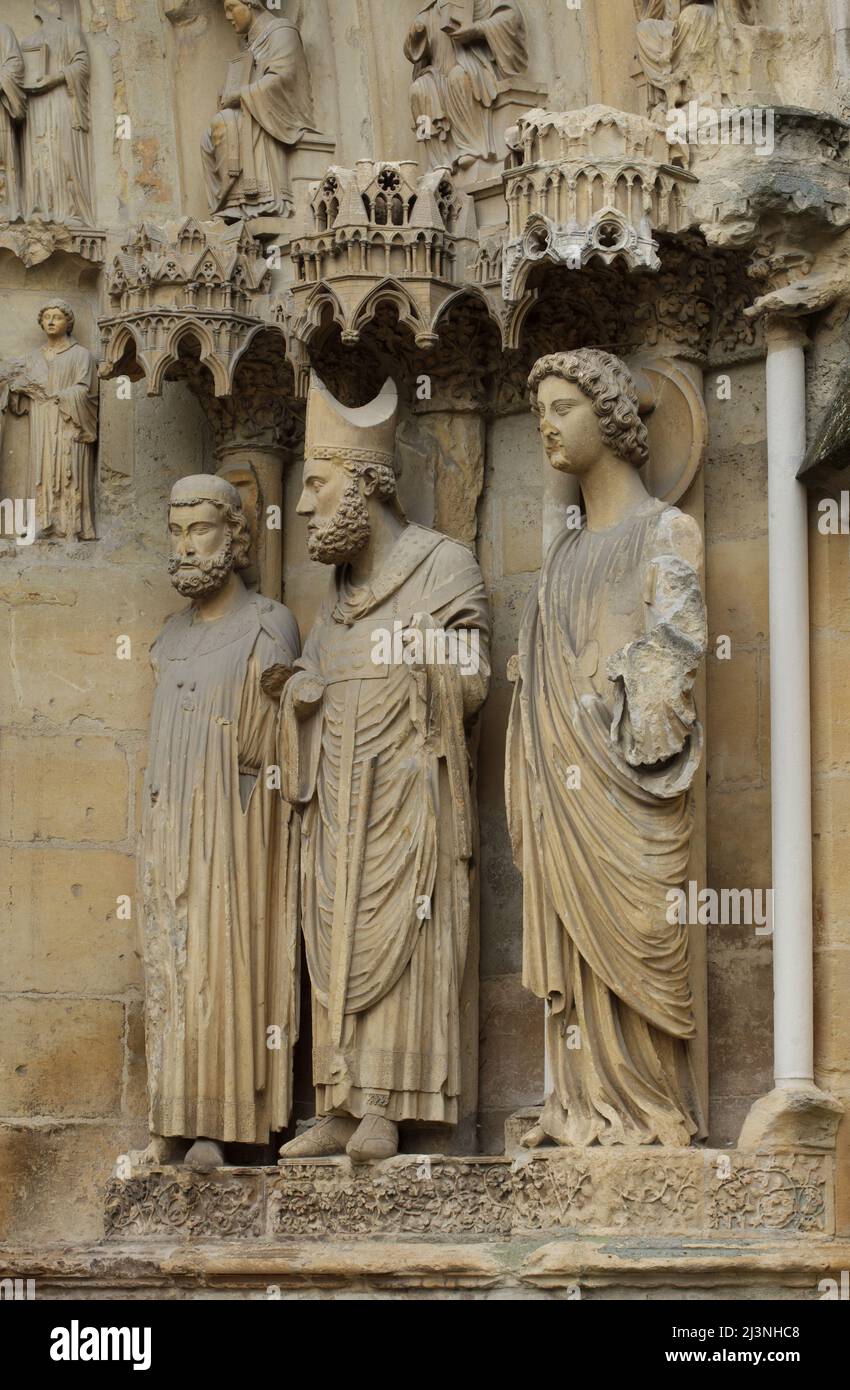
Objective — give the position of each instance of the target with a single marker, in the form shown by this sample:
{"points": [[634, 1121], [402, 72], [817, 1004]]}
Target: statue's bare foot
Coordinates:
{"points": [[534, 1138], [375, 1138], [161, 1150], [204, 1155], [327, 1137]]}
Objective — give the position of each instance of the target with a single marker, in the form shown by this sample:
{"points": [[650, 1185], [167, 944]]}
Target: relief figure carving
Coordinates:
{"points": [[265, 108], [461, 52]]}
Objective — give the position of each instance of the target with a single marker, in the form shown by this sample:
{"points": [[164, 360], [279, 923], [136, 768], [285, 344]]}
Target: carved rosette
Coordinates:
{"points": [[190, 281]]}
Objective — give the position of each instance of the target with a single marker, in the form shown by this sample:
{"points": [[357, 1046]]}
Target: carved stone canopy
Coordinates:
{"points": [[187, 280], [590, 184], [382, 233]]}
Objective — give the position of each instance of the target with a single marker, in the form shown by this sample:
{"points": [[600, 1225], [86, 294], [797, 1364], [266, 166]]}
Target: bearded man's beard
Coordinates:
{"points": [[205, 576], [345, 534]]}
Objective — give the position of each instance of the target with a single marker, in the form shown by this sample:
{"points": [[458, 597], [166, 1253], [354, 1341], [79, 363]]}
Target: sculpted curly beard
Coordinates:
{"points": [[345, 534], [203, 576]]}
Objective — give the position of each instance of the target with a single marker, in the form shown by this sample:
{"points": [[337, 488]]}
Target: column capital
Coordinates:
{"points": [[782, 331]]}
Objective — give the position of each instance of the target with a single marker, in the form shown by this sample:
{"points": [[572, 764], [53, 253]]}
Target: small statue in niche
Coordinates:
{"points": [[57, 385], [690, 48], [460, 53], [265, 109], [603, 745], [219, 867], [375, 752], [55, 152], [13, 105]]}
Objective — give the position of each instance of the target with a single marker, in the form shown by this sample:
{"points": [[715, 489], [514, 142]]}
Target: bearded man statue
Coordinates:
{"points": [[374, 737], [219, 847]]}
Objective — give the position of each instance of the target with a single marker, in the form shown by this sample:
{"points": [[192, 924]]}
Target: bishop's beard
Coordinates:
{"points": [[206, 576], [345, 534]]}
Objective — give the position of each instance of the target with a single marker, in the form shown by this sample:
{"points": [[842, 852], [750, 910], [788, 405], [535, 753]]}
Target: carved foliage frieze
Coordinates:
{"points": [[656, 1192]]}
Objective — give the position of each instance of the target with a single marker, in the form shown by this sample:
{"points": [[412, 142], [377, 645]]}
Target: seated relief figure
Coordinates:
{"points": [[460, 52], [374, 750], [13, 105], [57, 386], [218, 866], [265, 108], [687, 47], [55, 141], [603, 744]]}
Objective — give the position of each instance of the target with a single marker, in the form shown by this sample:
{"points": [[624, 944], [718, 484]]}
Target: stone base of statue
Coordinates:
{"points": [[649, 1193], [574, 1224]]}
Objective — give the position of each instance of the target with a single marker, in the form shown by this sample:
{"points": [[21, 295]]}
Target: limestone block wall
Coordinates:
{"points": [[72, 750]]}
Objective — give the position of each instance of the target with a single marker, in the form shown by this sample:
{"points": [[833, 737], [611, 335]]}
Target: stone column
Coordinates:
{"points": [[456, 436], [796, 1110], [257, 470]]}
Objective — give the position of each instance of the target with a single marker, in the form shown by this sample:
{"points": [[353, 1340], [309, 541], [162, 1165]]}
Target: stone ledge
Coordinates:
{"points": [[650, 1193], [517, 1269]]}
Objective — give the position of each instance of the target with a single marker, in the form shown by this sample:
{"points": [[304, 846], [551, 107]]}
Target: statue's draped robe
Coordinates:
{"points": [[455, 84], [399, 1048], [55, 143], [245, 150], [219, 881], [13, 104], [598, 858], [63, 436], [690, 56]]}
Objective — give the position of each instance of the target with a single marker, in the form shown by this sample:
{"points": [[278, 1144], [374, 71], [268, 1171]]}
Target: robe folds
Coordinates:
{"points": [[13, 104], [456, 84], [695, 47], [245, 150], [55, 141], [219, 880], [60, 392], [603, 744], [406, 898]]}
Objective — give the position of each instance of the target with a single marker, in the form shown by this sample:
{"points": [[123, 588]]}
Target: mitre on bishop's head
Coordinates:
{"points": [[333, 428]]}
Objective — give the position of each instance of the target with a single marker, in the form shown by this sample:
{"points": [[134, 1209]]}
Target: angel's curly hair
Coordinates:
{"points": [[609, 386]]}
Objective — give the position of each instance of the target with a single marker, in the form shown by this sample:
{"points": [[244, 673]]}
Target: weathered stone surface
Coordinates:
{"points": [[60, 1057], [63, 925], [661, 1192], [53, 1177], [735, 1266], [736, 707], [34, 767]]}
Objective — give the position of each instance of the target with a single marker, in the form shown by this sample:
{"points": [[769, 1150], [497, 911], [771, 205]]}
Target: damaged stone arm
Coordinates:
{"points": [[654, 711]]}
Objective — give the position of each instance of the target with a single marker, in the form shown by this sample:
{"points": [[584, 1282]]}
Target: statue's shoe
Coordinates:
{"points": [[204, 1155], [375, 1138], [325, 1138]]}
